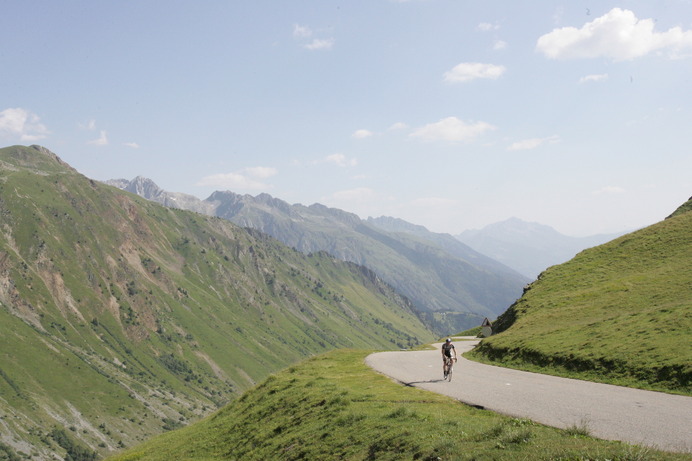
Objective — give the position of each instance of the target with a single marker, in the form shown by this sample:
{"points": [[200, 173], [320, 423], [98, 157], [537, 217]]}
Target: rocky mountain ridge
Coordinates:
{"points": [[454, 286]]}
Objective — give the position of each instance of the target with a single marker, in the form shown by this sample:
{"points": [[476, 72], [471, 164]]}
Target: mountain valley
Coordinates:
{"points": [[452, 285], [121, 319]]}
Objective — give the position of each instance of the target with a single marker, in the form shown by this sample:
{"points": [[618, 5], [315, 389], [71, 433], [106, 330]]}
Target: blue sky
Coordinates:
{"points": [[450, 114]]}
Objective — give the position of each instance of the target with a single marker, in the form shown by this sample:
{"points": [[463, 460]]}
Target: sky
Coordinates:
{"points": [[451, 114]]}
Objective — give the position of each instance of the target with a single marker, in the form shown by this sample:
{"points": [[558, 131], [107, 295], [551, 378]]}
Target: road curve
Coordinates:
{"points": [[634, 416]]}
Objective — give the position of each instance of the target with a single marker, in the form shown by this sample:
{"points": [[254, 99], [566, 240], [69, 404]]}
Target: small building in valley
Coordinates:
{"points": [[486, 328]]}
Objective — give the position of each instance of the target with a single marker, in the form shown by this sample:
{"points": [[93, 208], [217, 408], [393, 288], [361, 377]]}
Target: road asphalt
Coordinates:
{"points": [[647, 418]]}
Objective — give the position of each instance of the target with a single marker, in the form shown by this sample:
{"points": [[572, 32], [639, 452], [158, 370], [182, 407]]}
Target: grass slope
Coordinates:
{"points": [[616, 313], [120, 319], [334, 407]]}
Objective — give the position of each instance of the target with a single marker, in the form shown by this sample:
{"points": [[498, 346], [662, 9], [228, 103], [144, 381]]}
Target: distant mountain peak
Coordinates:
{"points": [[148, 189], [528, 247], [144, 187], [515, 226]]}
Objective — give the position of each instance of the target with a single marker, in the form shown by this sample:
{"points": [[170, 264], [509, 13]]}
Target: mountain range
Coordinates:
{"points": [[529, 248], [121, 318], [451, 284]]}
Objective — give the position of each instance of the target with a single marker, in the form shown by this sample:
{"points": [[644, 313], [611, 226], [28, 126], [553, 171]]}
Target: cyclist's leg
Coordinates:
{"points": [[448, 366]]}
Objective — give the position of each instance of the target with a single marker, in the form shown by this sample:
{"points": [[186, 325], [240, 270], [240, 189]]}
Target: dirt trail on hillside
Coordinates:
{"points": [[635, 416]]}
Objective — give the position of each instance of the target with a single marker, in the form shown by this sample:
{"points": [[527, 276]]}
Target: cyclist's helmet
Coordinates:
{"points": [[448, 340]]}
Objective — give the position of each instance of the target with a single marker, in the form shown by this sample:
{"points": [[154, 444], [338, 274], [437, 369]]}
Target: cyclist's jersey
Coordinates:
{"points": [[447, 349]]}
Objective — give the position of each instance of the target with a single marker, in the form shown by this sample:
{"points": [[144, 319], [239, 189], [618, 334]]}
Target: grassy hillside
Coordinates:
{"points": [[335, 407], [616, 313], [120, 319]]}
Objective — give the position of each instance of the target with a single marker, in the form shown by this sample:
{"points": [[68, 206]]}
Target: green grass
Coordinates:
{"points": [[335, 407], [618, 313], [475, 331]]}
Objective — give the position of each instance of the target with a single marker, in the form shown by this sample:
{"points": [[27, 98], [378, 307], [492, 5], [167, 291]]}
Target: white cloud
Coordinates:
{"points": [[362, 134], [232, 181], [261, 172], [133, 145], [398, 126], [340, 160], [609, 190], [301, 31], [532, 143], [487, 27], [320, 44], [89, 125], [452, 129], [102, 140], [467, 71], [22, 124], [246, 179], [499, 45], [303, 34], [618, 35], [593, 78]]}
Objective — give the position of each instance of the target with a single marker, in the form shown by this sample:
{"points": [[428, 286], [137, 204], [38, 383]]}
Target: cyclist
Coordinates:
{"points": [[448, 351]]}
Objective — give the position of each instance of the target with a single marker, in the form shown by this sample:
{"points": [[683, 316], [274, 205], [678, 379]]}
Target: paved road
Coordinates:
{"points": [[610, 412]]}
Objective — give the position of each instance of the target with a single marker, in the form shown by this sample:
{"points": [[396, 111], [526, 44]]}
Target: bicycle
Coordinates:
{"points": [[448, 368]]}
